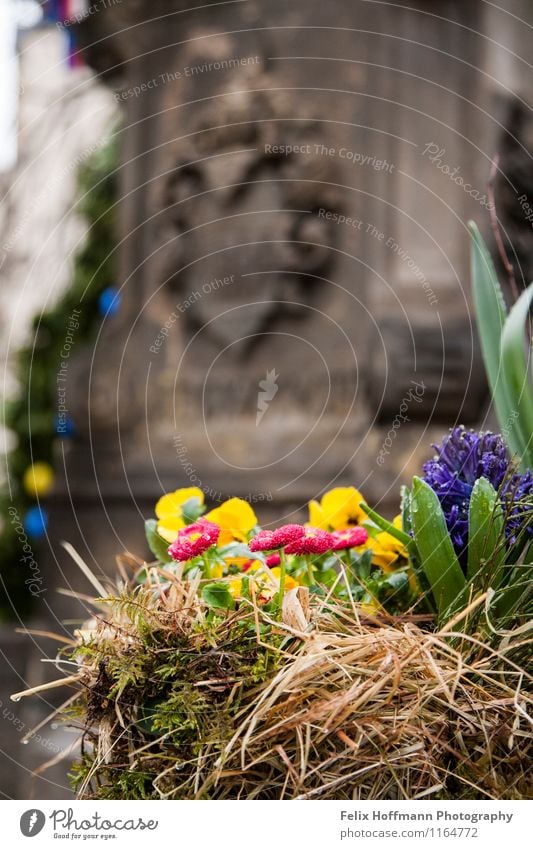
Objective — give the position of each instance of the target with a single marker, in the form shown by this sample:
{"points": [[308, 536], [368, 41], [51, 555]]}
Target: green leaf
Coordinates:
{"points": [[485, 529], [192, 509], [321, 565], [362, 565], [237, 549], [437, 555], [218, 596], [245, 588], [515, 365], [514, 600], [327, 577], [414, 559], [397, 581], [491, 314], [371, 528], [157, 545], [405, 496], [385, 525]]}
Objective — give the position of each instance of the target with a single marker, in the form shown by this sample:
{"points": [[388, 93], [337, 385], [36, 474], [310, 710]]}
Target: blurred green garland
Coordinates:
{"points": [[32, 415]]}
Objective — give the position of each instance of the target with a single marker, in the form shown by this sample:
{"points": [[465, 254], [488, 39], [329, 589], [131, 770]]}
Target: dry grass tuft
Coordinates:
{"points": [[176, 703]]}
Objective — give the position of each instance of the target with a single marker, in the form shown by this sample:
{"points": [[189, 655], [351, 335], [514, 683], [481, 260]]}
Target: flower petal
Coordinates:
{"points": [[170, 504], [236, 517]]}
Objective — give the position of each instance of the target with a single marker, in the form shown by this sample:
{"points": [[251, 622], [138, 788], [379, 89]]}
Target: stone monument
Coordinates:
{"points": [[293, 255]]}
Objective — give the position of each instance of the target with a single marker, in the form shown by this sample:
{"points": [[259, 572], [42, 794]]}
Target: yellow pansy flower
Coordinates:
{"points": [[169, 511], [337, 509], [235, 585], [239, 562], [386, 548], [370, 607], [235, 519]]}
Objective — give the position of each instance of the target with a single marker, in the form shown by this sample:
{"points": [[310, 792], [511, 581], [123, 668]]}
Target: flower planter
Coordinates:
{"points": [[324, 703], [348, 658]]}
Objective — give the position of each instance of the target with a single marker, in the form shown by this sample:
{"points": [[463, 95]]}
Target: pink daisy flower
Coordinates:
{"points": [[287, 534], [312, 541], [194, 540], [263, 541], [270, 540], [350, 538], [273, 560]]}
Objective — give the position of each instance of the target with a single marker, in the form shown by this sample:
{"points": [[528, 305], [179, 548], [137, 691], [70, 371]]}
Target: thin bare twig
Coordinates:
{"points": [[507, 264]]}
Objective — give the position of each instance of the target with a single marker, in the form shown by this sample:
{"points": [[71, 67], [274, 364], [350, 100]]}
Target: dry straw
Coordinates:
{"points": [[327, 704]]}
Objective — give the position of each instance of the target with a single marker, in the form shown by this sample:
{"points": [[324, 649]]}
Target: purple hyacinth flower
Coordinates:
{"points": [[462, 458]]}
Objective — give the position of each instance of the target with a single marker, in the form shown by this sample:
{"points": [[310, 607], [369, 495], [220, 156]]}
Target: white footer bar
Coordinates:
{"points": [[269, 825]]}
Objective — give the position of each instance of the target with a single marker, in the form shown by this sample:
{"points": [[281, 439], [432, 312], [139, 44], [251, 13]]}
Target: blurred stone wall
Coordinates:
{"points": [[511, 34]]}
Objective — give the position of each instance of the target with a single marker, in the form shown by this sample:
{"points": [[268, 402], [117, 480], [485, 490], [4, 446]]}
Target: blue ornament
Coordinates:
{"points": [[64, 426], [109, 301], [36, 522]]}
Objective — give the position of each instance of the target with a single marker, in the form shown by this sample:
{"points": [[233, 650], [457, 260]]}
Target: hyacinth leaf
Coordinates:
{"points": [[385, 525], [408, 529], [405, 500], [437, 555], [516, 371], [485, 529], [414, 559], [491, 314], [511, 600], [157, 545]]}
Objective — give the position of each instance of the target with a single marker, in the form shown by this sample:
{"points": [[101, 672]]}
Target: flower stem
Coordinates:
{"points": [[310, 572], [283, 569], [207, 565]]}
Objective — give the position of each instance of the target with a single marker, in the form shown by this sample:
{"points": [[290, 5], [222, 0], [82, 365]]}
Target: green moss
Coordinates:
{"points": [[180, 696]]}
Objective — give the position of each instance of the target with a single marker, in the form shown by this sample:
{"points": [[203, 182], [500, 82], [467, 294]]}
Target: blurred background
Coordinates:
{"points": [[233, 255]]}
